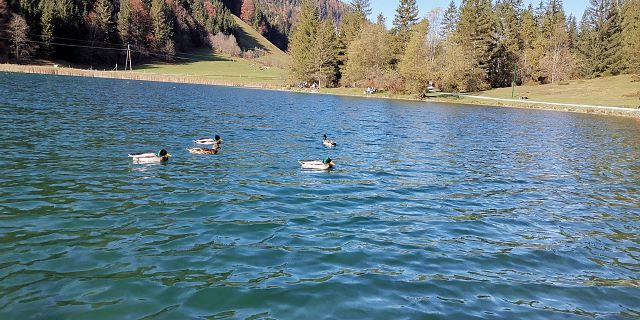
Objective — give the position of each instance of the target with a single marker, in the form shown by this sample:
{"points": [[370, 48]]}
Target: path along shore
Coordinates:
{"points": [[445, 98]]}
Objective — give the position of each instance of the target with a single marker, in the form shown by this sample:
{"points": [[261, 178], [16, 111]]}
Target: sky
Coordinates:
{"points": [[388, 7]]}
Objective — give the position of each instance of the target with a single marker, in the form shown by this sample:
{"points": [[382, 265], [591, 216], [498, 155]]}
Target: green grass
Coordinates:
{"points": [[608, 91], [207, 65], [268, 70]]}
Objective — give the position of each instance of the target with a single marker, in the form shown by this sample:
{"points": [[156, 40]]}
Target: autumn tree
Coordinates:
{"points": [[18, 31], [369, 58], [248, 11], [134, 24], [413, 66]]}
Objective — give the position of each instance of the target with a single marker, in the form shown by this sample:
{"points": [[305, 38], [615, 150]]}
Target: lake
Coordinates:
{"points": [[433, 211]]}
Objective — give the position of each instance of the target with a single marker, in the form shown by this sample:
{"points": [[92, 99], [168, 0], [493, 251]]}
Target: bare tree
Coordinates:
{"points": [[18, 35]]}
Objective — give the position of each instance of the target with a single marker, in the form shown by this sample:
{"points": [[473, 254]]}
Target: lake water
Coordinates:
{"points": [[434, 211]]}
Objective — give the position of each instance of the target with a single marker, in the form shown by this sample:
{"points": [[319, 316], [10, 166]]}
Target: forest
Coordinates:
{"points": [[98, 31], [478, 45]]}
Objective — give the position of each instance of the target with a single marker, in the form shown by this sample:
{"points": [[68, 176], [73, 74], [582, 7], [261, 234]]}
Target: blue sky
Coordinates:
{"points": [[388, 7]]}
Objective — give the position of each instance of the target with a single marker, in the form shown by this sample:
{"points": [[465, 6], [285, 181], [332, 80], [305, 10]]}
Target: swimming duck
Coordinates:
{"points": [[215, 141], [325, 164], [202, 150], [160, 156], [327, 142]]}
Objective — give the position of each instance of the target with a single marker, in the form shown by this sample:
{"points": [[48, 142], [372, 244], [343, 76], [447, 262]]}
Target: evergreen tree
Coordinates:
{"points": [[161, 28], [450, 20], [46, 24], [474, 34], [362, 7], [381, 20], [303, 42], [5, 16], [506, 45], [530, 35], [600, 39], [556, 61], [631, 35], [406, 16], [613, 36], [104, 19], [326, 55]]}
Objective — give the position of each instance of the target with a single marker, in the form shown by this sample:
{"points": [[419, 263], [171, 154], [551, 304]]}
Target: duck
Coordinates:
{"points": [[150, 157], [202, 150], [327, 142], [325, 164], [215, 141]]}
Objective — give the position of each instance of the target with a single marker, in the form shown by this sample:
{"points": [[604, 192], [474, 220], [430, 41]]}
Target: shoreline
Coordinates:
{"points": [[444, 98]]}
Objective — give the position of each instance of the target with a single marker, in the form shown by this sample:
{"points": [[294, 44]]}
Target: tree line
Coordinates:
{"points": [[97, 31], [475, 46]]}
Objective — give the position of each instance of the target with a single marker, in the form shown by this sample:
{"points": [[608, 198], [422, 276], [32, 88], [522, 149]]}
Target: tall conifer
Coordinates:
{"points": [[303, 42]]}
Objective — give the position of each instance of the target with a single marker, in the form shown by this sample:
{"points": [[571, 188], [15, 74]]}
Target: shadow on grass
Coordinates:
{"points": [[248, 42]]}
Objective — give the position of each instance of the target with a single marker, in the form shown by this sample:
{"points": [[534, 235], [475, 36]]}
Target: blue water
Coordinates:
{"points": [[434, 211]]}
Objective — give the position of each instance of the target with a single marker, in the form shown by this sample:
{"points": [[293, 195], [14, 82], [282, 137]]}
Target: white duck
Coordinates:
{"points": [[325, 164], [150, 157]]}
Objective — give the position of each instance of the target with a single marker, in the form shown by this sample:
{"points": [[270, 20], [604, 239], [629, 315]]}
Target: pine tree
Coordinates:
{"points": [[613, 43], [556, 60], [450, 20], [46, 25], [5, 16], [104, 19], [474, 35], [326, 55], [530, 35], [381, 20], [161, 28], [362, 7], [406, 16], [303, 42], [631, 35], [506, 45]]}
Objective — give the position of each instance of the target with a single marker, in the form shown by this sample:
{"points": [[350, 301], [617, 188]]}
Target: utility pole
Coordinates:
{"points": [[128, 61]]}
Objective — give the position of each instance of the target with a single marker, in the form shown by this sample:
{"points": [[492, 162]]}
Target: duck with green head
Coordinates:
{"points": [[324, 164]]}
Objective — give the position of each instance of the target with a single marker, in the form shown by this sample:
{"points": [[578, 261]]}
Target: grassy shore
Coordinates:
{"points": [[243, 73], [619, 91]]}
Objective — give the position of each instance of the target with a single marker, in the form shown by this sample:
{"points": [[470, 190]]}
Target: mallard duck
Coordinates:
{"points": [[327, 142], [160, 156], [202, 150], [325, 164], [215, 141]]}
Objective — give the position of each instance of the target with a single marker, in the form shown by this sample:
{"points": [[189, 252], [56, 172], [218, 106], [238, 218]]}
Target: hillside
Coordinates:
{"points": [[269, 69]]}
